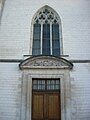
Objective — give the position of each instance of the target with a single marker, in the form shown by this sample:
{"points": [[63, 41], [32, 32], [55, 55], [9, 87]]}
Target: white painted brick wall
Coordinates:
{"points": [[80, 91], [10, 91], [16, 24]]}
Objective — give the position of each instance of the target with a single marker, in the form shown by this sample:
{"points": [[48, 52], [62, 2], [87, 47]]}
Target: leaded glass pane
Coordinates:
{"points": [[36, 39], [35, 82], [38, 84], [36, 44], [56, 87], [53, 84], [57, 82], [46, 39], [55, 40], [46, 84], [56, 52], [34, 87]]}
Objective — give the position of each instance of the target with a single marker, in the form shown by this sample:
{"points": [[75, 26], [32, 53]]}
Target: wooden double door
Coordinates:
{"points": [[46, 105]]}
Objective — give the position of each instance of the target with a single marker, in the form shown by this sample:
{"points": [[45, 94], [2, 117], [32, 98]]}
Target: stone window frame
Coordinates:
{"points": [[55, 17]]}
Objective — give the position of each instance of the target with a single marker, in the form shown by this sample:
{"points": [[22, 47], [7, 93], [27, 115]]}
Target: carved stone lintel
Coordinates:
{"points": [[45, 63]]}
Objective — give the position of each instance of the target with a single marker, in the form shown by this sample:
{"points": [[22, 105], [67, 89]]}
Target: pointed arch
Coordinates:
{"points": [[46, 33], [46, 11]]}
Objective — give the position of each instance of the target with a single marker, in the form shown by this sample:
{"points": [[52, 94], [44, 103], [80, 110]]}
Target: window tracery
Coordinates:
{"points": [[46, 16], [46, 34]]}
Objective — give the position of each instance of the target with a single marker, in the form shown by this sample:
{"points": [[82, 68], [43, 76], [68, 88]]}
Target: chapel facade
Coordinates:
{"points": [[44, 60]]}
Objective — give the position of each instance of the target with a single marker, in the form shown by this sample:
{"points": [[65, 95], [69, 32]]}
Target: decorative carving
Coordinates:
{"points": [[46, 15], [45, 63]]}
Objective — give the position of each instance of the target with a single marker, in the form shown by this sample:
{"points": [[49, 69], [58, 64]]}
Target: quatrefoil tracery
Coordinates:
{"points": [[46, 16]]}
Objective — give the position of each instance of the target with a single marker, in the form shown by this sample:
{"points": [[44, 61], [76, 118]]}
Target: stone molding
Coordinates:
{"points": [[45, 62]]}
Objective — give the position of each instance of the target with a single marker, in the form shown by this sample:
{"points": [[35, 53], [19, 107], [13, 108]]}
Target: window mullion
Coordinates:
{"points": [[41, 36], [31, 45], [51, 38]]}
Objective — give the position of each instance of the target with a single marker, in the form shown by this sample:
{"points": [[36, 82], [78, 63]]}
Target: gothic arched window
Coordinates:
{"points": [[46, 32]]}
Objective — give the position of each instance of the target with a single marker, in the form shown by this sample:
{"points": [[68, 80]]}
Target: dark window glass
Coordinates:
{"points": [[46, 47], [52, 84], [38, 84], [36, 39], [46, 39], [55, 40]]}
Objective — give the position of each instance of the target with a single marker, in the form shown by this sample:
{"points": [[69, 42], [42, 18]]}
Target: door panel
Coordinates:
{"points": [[46, 106], [38, 108], [53, 106]]}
